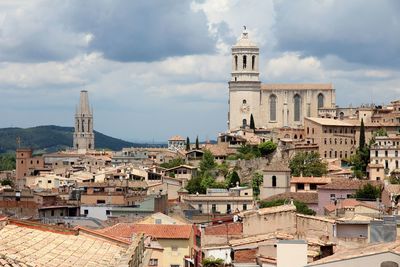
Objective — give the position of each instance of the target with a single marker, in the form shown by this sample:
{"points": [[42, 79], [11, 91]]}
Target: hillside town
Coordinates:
{"points": [[295, 180]]}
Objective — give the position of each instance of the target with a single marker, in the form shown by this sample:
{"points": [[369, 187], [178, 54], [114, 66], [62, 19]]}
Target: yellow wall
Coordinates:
{"points": [[175, 257]]}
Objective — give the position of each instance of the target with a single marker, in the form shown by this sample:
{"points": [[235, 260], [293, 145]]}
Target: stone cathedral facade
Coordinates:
{"points": [[83, 135], [272, 105]]}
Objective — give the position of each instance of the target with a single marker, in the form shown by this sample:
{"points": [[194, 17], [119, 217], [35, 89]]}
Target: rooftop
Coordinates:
{"points": [[347, 184], [35, 247], [159, 231], [297, 86], [349, 203], [305, 197], [329, 122], [310, 180]]}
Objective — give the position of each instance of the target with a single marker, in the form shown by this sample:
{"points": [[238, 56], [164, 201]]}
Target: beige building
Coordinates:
{"points": [[221, 201], [83, 135], [272, 105], [385, 152], [276, 180], [26, 163], [307, 184]]}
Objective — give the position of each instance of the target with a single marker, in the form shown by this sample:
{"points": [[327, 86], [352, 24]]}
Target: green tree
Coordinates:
{"points": [[7, 182], [308, 164], [361, 142], [248, 152], [173, 163], [256, 183], [194, 186], [187, 143], [7, 162], [300, 206], [211, 262], [267, 148], [207, 181], [197, 143], [252, 125], [368, 191], [207, 163], [232, 179]]}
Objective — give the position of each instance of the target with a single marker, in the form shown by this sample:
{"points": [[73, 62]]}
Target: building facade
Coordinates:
{"points": [[272, 105], [385, 153], [83, 135]]}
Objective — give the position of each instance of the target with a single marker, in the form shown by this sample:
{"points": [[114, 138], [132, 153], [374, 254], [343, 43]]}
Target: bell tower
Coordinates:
{"points": [[245, 85], [83, 135]]}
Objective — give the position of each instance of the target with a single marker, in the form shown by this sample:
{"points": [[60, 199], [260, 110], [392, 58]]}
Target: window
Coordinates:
{"points": [[386, 153], [313, 187], [86, 212], [213, 208], [153, 262], [244, 206], [320, 101], [108, 212], [244, 61], [325, 141], [274, 181], [272, 108], [158, 221], [49, 181], [376, 153], [253, 62], [200, 207], [297, 105], [397, 164], [300, 186], [52, 213], [228, 208], [244, 102], [236, 62], [101, 201], [244, 122], [175, 265], [396, 153], [333, 196]]}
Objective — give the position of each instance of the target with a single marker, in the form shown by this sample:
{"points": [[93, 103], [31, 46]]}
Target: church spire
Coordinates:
{"points": [[83, 135]]}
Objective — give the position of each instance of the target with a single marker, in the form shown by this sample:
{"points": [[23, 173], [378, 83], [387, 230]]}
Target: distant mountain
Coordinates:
{"points": [[52, 138]]}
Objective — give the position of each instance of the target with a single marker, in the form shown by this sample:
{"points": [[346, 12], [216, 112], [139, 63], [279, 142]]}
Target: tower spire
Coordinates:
{"points": [[83, 135]]}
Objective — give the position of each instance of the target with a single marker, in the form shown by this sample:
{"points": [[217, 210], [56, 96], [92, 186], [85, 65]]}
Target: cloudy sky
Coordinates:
{"points": [[159, 68]]}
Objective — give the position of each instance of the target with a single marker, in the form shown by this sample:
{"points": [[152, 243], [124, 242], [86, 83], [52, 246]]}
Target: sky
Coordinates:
{"points": [[155, 69]]}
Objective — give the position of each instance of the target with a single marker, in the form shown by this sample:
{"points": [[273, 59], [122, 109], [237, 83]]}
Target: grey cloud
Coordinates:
{"points": [[366, 32], [122, 30]]}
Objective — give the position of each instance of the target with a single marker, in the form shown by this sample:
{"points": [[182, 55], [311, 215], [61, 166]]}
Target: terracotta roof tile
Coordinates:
{"points": [[305, 197], [349, 202], [160, 231], [349, 184], [311, 180]]}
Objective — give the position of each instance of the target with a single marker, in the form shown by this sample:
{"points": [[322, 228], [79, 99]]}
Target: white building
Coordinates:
{"points": [[272, 105], [385, 152]]}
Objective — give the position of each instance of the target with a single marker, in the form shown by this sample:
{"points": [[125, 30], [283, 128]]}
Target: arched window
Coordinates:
{"points": [[297, 105], [244, 101], [341, 115], [320, 101], [253, 62], [295, 136], [244, 61], [83, 125], [236, 62], [272, 108], [274, 181], [244, 123]]}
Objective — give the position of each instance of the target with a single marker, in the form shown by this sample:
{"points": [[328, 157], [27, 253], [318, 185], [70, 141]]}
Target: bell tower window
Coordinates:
{"points": [[236, 62], [253, 62], [320, 101], [244, 61], [297, 106]]}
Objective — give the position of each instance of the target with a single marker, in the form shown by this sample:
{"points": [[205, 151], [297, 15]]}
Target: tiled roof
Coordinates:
{"points": [[277, 166], [160, 231], [219, 150], [347, 184], [310, 180], [34, 247], [349, 202], [393, 188], [297, 86], [305, 197], [346, 254], [329, 122], [270, 210]]}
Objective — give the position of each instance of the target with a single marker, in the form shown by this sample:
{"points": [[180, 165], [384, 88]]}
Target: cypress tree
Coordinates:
{"points": [[187, 144], [197, 143], [361, 142], [252, 125]]}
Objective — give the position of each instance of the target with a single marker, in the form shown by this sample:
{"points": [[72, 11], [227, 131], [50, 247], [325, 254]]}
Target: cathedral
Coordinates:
{"points": [[272, 105], [83, 135]]}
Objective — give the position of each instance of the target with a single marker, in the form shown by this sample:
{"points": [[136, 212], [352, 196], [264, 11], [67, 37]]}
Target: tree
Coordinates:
{"points": [[301, 207], [252, 125], [211, 262], [248, 152], [308, 164], [267, 148], [369, 192], [187, 144], [173, 163], [7, 162], [7, 182], [256, 182], [361, 142], [194, 186], [232, 179], [207, 163], [197, 143]]}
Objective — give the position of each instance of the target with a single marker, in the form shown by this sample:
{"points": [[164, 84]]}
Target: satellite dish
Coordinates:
{"points": [[235, 218]]}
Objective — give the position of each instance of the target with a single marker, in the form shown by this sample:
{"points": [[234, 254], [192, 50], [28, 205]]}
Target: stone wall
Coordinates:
{"points": [[314, 227]]}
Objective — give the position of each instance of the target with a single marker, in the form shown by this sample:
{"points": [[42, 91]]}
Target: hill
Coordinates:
{"points": [[52, 138]]}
